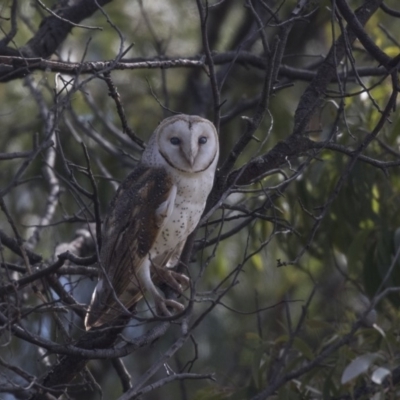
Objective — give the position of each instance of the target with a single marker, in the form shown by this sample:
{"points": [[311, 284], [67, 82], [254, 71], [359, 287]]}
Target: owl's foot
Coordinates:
{"points": [[162, 304], [174, 280], [150, 275]]}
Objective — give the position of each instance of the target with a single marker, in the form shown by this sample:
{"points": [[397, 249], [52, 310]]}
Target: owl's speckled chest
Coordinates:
{"points": [[188, 207]]}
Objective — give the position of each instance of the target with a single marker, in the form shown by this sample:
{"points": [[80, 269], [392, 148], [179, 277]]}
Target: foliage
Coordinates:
{"points": [[295, 265]]}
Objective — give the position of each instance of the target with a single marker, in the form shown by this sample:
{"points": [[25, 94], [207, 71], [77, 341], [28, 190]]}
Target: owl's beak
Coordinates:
{"points": [[191, 160], [191, 154]]}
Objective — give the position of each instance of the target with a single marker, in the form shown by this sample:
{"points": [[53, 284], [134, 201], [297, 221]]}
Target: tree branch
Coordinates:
{"points": [[52, 32], [313, 95]]}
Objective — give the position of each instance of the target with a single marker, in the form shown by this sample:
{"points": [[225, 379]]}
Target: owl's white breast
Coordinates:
{"points": [[190, 200]]}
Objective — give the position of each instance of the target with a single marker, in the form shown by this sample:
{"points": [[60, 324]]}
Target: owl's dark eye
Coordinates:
{"points": [[175, 141], [202, 140]]}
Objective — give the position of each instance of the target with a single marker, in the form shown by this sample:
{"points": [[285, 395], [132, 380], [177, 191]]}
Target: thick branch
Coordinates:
{"points": [[293, 146], [51, 34], [362, 36], [13, 245], [94, 344], [11, 66]]}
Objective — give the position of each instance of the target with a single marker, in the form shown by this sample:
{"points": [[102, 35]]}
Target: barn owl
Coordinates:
{"points": [[153, 212]]}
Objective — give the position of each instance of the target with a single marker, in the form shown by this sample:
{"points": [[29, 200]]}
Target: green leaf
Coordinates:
{"points": [[356, 250], [372, 277], [379, 375], [396, 240], [316, 324], [358, 366], [213, 392], [300, 345]]}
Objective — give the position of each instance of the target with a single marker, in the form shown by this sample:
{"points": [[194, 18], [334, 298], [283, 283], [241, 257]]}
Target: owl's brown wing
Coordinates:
{"points": [[136, 215]]}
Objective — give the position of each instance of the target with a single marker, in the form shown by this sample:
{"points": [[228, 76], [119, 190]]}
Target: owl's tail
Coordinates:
{"points": [[105, 308]]}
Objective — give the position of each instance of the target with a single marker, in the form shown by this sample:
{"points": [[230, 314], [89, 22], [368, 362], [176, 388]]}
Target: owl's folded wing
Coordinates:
{"points": [[137, 213]]}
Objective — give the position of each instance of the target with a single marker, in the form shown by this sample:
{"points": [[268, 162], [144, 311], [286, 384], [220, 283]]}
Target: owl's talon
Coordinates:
{"points": [[162, 304], [178, 282]]}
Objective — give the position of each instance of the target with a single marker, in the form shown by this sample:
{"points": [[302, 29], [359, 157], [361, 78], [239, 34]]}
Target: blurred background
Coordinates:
{"points": [[294, 283]]}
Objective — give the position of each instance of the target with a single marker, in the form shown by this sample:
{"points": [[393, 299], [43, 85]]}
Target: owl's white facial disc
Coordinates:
{"points": [[188, 143]]}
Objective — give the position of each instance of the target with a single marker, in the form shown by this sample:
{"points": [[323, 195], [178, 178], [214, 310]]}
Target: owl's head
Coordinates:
{"points": [[187, 143]]}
